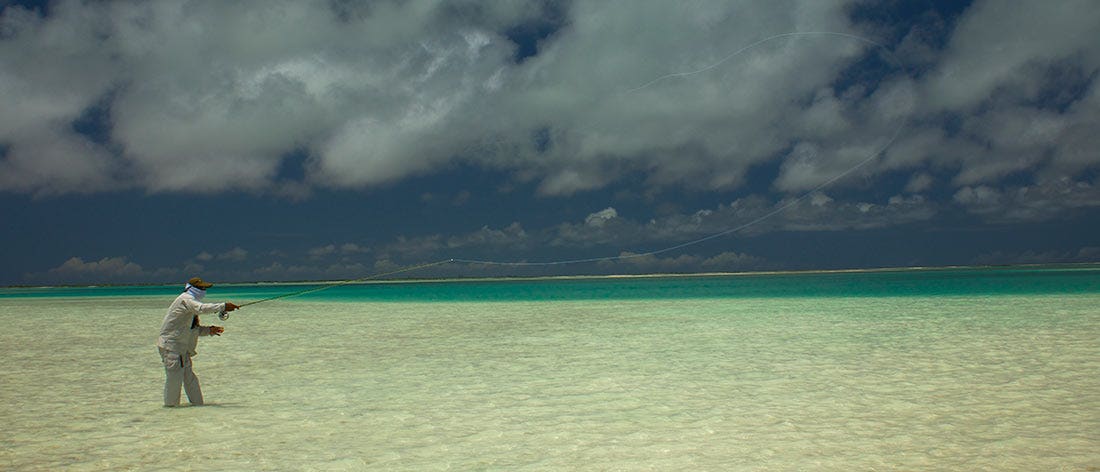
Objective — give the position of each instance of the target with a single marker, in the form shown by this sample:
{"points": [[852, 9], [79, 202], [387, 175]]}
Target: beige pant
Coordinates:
{"points": [[177, 372]]}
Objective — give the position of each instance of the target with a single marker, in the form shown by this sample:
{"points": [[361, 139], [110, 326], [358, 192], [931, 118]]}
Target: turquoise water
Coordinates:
{"points": [[912, 282], [932, 370]]}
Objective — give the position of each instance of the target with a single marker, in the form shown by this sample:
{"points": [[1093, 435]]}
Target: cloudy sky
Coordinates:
{"points": [[149, 141]]}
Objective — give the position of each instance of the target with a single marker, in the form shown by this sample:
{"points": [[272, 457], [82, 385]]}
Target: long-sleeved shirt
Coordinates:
{"points": [[179, 333]]}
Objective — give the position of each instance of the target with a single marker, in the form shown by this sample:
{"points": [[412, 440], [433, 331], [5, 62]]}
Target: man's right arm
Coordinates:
{"points": [[204, 308]]}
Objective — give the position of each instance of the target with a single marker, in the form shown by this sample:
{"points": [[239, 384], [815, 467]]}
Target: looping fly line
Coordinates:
{"points": [[775, 211]]}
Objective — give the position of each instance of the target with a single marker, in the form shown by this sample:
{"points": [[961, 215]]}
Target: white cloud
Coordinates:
{"points": [[121, 270], [345, 249], [50, 73], [1045, 200], [1085, 254], [700, 126], [629, 263], [278, 271], [105, 270], [352, 248], [109, 266], [978, 196], [818, 199], [417, 248], [236, 254], [1016, 81], [213, 96], [46, 161], [750, 216], [600, 217], [919, 182], [994, 46], [1089, 254], [322, 251], [513, 237], [733, 262]]}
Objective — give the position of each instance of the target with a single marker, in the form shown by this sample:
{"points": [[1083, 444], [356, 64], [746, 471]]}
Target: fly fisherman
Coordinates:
{"points": [[179, 335]]}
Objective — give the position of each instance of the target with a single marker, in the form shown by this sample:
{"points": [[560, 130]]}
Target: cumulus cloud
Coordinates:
{"points": [[51, 72], [108, 266], [104, 270], [352, 248], [1043, 201], [343, 250], [164, 96], [236, 254], [630, 263], [605, 233], [600, 217], [122, 270], [322, 251], [919, 182], [1085, 254], [1089, 254], [211, 96], [416, 248], [1011, 93], [513, 237], [1008, 48], [715, 108], [278, 271]]}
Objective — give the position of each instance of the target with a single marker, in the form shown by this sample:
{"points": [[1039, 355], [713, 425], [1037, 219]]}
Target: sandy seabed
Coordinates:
{"points": [[906, 383]]}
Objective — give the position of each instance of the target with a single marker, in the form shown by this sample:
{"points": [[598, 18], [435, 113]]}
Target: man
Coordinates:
{"points": [[179, 335]]}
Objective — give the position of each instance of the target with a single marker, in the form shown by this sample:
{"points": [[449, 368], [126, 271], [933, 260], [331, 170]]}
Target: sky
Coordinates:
{"points": [[152, 141]]}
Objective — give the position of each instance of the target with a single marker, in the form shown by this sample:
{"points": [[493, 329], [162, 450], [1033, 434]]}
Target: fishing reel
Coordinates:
{"points": [[223, 315]]}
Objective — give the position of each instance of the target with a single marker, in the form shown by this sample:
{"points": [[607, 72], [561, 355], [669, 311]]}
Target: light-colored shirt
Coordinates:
{"points": [[176, 334]]}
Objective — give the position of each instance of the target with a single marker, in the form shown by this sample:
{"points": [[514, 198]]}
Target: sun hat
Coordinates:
{"points": [[197, 282]]}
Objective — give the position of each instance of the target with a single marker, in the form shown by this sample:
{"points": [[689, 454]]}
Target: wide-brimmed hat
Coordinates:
{"points": [[197, 282]]}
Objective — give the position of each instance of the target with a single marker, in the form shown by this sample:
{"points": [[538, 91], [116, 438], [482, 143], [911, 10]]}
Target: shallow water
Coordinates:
{"points": [[829, 383]]}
